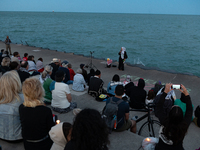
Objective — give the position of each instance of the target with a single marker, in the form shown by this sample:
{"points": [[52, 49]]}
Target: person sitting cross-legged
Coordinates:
{"points": [[79, 83], [96, 85], [61, 96], [123, 112], [137, 95], [10, 100], [112, 85]]}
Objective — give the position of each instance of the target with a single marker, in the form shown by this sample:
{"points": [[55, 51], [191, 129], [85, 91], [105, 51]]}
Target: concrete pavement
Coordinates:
{"points": [[124, 140]]}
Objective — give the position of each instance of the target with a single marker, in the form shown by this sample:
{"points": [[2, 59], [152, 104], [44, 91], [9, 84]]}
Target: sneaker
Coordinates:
{"points": [[134, 118]]}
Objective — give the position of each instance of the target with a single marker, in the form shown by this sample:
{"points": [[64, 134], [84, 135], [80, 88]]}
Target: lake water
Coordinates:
{"points": [[163, 42]]}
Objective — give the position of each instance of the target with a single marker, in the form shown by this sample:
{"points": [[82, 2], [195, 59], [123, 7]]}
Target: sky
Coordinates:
{"points": [[189, 7]]}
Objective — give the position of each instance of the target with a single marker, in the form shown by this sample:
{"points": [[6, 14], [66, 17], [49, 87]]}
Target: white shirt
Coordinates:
{"points": [[59, 97], [31, 65], [39, 65]]}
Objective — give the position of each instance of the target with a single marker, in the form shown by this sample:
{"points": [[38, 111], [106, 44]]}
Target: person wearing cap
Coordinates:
{"points": [[55, 63], [84, 72], [66, 71], [122, 57], [7, 42]]}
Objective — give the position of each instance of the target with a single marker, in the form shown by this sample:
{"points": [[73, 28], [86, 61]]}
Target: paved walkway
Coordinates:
{"points": [[123, 140]]}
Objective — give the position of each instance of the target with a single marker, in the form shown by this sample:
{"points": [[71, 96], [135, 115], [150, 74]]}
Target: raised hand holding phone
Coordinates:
{"points": [[184, 90], [168, 87]]}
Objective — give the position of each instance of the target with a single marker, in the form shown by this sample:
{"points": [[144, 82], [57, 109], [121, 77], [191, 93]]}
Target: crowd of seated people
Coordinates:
{"points": [[24, 110]]}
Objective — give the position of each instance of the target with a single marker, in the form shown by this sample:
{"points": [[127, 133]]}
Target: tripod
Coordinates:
{"points": [[91, 65]]}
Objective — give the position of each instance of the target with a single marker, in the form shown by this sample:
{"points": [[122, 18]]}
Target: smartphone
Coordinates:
{"points": [[176, 86]]}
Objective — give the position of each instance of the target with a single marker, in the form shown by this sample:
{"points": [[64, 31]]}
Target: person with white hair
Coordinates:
{"points": [[79, 83], [122, 57]]}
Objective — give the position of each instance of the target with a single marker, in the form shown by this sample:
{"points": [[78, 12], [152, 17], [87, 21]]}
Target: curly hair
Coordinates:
{"points": [[89, 131], [33, 92]]}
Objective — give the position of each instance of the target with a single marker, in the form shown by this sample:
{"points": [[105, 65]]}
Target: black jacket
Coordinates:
{"points": [[137, 95]]}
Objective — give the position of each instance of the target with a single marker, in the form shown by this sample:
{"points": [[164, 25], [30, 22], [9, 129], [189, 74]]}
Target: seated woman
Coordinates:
{"points": [[32, 69], [79, 83], [5, 65], [45, 79], [61, 96], [89, 132], [174, 125], [39, 65], [36, 118], [137, 95], [150, 97], [31, 63], [112, 85], [10, 99]]}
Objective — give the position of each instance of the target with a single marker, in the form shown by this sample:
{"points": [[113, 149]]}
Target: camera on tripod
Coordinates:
{"points": [[90, 65]]}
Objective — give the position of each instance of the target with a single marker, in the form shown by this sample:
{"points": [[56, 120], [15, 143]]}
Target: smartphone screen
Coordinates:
{"points": [[176, 86]]}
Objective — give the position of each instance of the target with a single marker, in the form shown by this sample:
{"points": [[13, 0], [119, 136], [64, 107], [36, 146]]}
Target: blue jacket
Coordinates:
{"points": [[10, 126]]}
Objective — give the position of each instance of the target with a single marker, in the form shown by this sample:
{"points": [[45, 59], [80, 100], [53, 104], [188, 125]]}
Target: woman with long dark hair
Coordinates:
{"points": [[112, 85], [174, 125], [89, 132]]}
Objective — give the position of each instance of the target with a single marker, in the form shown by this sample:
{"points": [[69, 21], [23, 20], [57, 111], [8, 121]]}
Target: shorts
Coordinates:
{"points": [[127, 125]]}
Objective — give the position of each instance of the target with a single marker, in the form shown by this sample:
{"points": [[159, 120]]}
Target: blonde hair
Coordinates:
{"points": [[10, 87], [5, 61], [33, 92], [47, 70]]}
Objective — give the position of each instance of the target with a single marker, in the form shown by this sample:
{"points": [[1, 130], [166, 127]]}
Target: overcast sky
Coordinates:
{"points": [[105, 6]]}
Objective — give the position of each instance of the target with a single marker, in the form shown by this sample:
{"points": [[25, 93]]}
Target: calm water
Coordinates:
{"points": [[166, 42]]}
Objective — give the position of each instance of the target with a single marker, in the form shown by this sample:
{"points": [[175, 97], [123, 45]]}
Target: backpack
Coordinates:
{"points": [[110, 114]]}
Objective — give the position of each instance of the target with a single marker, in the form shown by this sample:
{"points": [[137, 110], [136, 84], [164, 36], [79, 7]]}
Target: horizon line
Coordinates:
{"points": [[53, 11]]}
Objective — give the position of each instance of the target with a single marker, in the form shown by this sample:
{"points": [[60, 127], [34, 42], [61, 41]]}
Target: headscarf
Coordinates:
{"points": [[122, 52]]}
